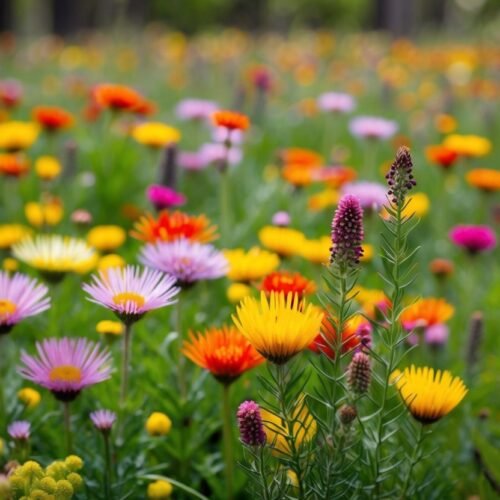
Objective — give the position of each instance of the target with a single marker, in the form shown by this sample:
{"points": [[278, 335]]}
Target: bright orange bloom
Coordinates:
{"points": [[301, 156], [441, 267], [427, 312], [297, 175], [486, 179], [335, 177], [287, 282], [441, 155], [356, 330], [117, 97], [145, 108], [224, 352], [170, 226], [13, 165], [52, 118], [231, 120]]}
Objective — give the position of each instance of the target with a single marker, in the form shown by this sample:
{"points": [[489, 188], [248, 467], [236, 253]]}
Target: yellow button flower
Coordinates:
{"points": [[237, 292], [110, 260], [471, 146], [47, 167], [47, 213], [106, 238], [108, 327], [158, 424], [155, 134], [250, 266], [159, 490], [29, 397], [16, 136]]}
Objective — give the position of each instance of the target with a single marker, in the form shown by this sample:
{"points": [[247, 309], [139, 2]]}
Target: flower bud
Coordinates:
{"points": [[359, 373]]}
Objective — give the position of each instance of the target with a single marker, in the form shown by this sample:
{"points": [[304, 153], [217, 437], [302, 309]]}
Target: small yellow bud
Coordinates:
{"points": [[29, 397], [37, 494], [17, 483], [107, 327], [110, 260], [158, 424], [48, 484], [159, 490], [106, 238], [73, 463], [47, 168], [10, 264], [238, 291], [64, 489], [75, 480]]}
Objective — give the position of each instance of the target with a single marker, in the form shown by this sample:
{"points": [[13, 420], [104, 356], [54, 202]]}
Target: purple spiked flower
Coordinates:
{"points": [[347, 232], [19, 430], [359, 373], [20, 297], [103, 420], [474, 239], [400, 177], [66, 366], [250, 424]]}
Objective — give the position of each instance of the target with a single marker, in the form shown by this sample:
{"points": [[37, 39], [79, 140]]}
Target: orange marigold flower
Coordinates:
{"points": [[231, 120], [52, 118], [335, 177], [441, 267], [170, 226], [301, 156], [486, 179], [297, 175], [287, 282], [427, 312], [224, 352], [117, 97], [441, 155], [13, 165]]}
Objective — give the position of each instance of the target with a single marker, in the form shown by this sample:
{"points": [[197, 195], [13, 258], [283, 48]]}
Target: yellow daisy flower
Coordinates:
{"points": [[285, 241], [250, 266], [155, 134]]}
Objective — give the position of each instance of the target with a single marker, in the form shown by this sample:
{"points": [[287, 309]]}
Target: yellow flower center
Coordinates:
{"points": [[7, 308], [228, 354], [65, 373], [124, 297]]}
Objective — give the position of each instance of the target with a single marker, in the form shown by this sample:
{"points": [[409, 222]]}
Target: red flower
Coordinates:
{"points": [[231, 120], [52, 118], [287, 282]]}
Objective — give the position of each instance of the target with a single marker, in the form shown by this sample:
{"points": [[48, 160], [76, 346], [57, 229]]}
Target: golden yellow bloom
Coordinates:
{"points": [[324, 199], [445, 124], [159, 490], [158, 424], [428, 394], [418, 204], [10, 234], [278, 432], [47, 167], [471, 146], [155, 135], [485, 179], [16, 136], [284, 241], [237, 291], [316, 251], [106, 238], [110, 260], [278, 327], [107, 327], [252, 265], [47, 213], [29, 397], [9, 264]]}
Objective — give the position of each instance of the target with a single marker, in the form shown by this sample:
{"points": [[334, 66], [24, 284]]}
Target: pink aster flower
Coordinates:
{"points": [[19, 430], [474, 239], [372, 127], [281, 219], [218, 153], [371, 195], [20, 297], [66, 366], [103, 420], [222, 134], [436, 335], [131, 292], [187, 261], [196, 109], [336, 102], [164, 197], [192, 160]]}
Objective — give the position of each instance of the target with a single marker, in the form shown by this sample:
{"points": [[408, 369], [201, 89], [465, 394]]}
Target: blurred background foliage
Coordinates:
{"points": [[400, 17]]}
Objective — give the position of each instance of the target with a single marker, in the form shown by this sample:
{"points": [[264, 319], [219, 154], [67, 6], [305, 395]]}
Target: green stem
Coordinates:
{"points": [[107, 471], [67, 428], [127, 337], [413, 461], [228, 440], [263, 473], [224, 205], [181, 365]]}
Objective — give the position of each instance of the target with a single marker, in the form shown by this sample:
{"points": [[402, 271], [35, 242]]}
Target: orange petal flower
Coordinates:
{"points": [[441, 155], [301, 156], [224, 352], [170, 226], [52, 118], [486, 179], [427, 312], [287, 282], [231, 120], [13, 165], [117, 97]]}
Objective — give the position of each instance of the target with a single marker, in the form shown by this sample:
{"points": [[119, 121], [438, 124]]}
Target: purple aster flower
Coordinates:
{"points": [[196, 109], [372, 195], [20, 297], [474, 239], [281, 219], [347, 232], [19, 430], [336, 102], [372, 127], [187, 261], [164, 197], [131, 292], [66, 366], [400, 177], [437, 334], [250, 424], [218, 153], [103, 420]]}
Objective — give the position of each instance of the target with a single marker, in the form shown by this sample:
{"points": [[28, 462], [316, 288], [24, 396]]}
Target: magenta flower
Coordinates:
{"points": [[250, 424], [187, 261], [347, 232], [195, 109], [474, 239], [164, 197], [19, 430], [20, 297], [66, 366], [372, 195], [103, 420], [372, 127], [336, 102], [131, 292]]}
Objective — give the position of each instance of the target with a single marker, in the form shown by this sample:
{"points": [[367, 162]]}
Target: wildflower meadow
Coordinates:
{"points": [[242, 265]]}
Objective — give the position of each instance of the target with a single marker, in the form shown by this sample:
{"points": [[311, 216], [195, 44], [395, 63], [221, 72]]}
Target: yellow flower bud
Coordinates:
{"points": [[47, 168], [73, 463], [159, 490], [29, 397], [48, 484], [64, 489], [158, 424], [75, 480], [110, 260], [107, 327], [37, 494]]}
